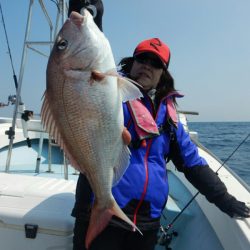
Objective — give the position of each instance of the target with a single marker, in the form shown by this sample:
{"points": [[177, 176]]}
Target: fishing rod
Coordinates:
{"points": [[8, 45], [166, 238], [11, 131]]}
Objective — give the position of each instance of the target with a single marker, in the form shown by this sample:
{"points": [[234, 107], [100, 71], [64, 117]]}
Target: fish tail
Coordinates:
{"points": [[100, 218]]}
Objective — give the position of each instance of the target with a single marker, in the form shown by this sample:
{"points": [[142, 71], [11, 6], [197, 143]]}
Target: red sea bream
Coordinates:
{"points": [[82, 111]]}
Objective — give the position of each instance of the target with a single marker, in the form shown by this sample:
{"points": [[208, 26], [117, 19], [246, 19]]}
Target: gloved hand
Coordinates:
{"points": [[95, 7], [234, 208], [210, 185]]}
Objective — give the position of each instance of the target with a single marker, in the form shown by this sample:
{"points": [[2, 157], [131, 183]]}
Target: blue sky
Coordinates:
{"points": [[209, 42]]}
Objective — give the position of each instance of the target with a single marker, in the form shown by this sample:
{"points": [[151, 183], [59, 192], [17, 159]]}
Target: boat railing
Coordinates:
{"points": [[28, 125], [182, 115]]}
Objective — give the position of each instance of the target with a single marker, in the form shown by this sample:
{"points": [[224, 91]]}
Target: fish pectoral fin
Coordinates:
{"points": [[112, 72], [129, 91], [122, 165], [128, 88], [97, 76]]}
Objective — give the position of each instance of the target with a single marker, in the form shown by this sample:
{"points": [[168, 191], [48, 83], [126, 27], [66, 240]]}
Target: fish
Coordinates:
{"points": [[82, 111]]}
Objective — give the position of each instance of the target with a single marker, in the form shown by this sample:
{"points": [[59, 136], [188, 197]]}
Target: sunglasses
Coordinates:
{"points": [[149, 60]]}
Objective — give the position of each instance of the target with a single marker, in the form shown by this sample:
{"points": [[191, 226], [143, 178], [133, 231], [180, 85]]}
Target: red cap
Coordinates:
{"points": [[156, 46]]}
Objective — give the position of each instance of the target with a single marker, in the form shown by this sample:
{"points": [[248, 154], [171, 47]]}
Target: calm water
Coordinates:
{"points": [[222, 138]]}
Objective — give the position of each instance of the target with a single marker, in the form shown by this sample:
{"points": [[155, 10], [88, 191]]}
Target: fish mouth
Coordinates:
{"points": [[76, 18]]}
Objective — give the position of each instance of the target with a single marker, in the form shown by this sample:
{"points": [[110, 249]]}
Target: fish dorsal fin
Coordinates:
{"points": [[122, 165]]}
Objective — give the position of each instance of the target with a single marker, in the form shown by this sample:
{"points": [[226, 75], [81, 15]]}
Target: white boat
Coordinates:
{"points": [[202, 225], [37, 189]]}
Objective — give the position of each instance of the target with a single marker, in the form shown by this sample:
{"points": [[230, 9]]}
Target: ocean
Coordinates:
{"points": [[222, 138]]}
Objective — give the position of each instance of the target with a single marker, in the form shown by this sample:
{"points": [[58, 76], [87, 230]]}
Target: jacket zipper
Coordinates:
{"points": [[145, 183], [155, 114]]}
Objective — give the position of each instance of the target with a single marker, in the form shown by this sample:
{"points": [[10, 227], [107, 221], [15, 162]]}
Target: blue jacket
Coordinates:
{"points": [[146, 181]]}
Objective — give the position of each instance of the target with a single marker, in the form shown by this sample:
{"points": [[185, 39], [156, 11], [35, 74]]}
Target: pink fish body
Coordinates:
{"points": [[82, 110]]}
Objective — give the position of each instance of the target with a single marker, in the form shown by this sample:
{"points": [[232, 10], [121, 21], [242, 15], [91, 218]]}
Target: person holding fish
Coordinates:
{"points": [[153, 135]]}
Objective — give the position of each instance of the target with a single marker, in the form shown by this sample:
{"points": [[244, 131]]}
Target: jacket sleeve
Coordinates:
{"points": [[183, 152], [185, 157]]}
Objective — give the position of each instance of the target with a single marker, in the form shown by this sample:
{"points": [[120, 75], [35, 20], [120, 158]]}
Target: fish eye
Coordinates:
{"points": [[62, 44]]}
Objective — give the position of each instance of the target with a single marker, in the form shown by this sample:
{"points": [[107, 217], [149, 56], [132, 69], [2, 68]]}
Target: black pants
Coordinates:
{"points": [[114, 238]]}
